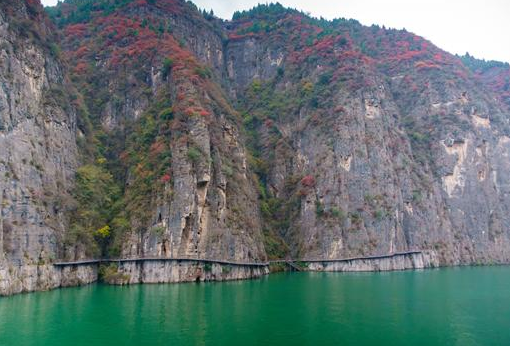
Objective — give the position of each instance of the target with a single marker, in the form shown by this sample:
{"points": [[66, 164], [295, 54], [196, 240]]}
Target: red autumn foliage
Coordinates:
{"points": [[204, 113], [234, 36], [138, 3], [190, 111], [166, 178], [426, 65], [498, 80], [308, 181], [80, 68], [76, 30], [438, 57], [80, 52], [172, 6]]}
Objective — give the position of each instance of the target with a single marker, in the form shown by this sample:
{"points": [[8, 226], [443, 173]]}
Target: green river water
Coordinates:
{"points": [[455, 306]]}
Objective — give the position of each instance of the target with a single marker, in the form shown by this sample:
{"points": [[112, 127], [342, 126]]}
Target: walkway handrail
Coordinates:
{"points": [[149, 259], [226, 262], [404, 253]]}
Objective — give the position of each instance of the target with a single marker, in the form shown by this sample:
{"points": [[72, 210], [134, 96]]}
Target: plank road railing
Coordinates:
{"points": [[154, 259], [290, 262]]}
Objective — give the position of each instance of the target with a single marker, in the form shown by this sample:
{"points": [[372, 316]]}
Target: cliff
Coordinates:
{"points": [[169, 136], [38, 152], [150, 129], [373, 140]]}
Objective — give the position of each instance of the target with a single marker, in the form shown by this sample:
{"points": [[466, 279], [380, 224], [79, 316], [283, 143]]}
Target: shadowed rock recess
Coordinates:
{"points": [[150, 129]]}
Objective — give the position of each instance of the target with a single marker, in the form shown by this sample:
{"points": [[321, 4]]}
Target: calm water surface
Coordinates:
{"points": [[457, 306]]}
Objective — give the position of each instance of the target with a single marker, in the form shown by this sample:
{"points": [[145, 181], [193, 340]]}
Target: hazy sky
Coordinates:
{"points": [[480, 27]]}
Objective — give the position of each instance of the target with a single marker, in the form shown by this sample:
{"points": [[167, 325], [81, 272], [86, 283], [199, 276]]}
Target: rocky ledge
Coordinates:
{"points": [[398, 261], [43, 277], [172, 271]]}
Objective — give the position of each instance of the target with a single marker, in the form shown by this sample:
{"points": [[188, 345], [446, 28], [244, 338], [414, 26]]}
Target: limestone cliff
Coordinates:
{"points": [[38, 153], [173, 140], [375, 140], [270, 135]]}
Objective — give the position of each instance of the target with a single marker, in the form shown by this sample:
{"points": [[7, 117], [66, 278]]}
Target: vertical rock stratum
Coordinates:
{"points": [[38, 152]]}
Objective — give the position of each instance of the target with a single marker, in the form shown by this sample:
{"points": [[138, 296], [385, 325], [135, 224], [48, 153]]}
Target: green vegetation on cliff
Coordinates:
{"points": [[355, 134]]}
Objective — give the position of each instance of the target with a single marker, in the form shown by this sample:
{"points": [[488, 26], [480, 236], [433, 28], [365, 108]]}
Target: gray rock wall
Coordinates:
{"points": [[29, 278], [38, 155], [179, 271], [422, 260], [394, 169]]}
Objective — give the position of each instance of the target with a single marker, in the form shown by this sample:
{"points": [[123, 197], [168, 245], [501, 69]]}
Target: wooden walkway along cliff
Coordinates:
{"points": [[291, 262], [153, 259]]}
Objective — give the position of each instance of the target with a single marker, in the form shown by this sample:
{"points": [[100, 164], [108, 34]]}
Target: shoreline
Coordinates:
{"points": [[102, 282], [35, 278]]}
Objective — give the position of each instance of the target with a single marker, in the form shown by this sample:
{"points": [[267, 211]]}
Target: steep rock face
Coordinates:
{"points": [[347, 141], [375, 140], [177, 271], [173, 140], [102, 45], [38, 153], [364, 140], [205, 210], [398, 261]]}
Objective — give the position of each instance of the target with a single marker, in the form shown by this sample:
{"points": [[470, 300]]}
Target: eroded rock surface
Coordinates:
{"points": [[272, 135], [38, 152]]}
